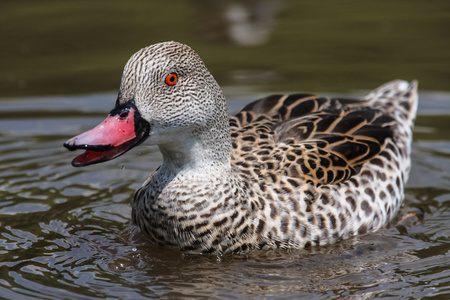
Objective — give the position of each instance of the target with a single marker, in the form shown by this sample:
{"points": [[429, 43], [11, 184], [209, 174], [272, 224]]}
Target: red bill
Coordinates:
{"points": [[122, 130]]}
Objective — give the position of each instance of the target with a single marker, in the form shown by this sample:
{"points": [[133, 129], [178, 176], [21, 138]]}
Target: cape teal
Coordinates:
{"points": [[286, 171]]}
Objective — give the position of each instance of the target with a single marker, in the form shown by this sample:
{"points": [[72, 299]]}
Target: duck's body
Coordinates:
{"points": [[286, 171]]}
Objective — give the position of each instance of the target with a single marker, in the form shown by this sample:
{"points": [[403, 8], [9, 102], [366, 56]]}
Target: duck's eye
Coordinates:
{"points": [[171, 79]]}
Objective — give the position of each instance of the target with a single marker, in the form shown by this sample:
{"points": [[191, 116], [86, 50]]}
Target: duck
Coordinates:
{"points": [[286, 171]]}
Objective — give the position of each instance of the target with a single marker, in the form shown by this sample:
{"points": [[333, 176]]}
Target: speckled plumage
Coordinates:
{"points": [[285, 171]]}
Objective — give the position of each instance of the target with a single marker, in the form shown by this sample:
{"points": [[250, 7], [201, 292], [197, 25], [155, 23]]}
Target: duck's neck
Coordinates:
{"points": [[192, 156], [204, 152]]}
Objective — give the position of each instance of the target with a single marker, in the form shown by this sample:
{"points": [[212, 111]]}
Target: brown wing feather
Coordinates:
{"points": [[314, 139]]}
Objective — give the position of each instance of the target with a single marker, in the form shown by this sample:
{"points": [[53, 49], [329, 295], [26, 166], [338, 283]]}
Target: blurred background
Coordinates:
{"points": [[75, 47]]}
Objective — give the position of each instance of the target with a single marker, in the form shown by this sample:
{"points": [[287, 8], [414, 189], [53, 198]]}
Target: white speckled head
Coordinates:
{"points": [[193, 107], [188, 105]]}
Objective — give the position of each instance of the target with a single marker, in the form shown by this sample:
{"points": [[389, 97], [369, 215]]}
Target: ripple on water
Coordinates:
{"points": [[63, 232]]}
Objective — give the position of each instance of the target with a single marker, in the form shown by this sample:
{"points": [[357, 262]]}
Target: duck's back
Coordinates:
{"points": [[323, 169]]}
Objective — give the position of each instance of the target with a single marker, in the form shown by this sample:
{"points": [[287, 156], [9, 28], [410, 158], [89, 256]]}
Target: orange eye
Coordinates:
{"points": [[171, 79]]}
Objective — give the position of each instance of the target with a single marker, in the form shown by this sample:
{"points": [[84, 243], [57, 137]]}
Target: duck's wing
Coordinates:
{"points": [[317, 140]]}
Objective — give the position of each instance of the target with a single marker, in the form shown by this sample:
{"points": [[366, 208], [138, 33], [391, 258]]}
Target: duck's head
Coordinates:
{"points": [[166, 95]]}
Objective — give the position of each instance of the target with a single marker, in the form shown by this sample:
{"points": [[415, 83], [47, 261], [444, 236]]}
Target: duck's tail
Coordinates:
{"points": [[398, 98]]}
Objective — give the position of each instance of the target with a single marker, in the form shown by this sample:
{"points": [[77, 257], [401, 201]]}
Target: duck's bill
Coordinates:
{"points": [[122, 130]]}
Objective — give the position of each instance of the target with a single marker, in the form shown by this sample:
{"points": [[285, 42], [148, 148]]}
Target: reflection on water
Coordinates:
{"points": [[63, 231], [243, 23]]}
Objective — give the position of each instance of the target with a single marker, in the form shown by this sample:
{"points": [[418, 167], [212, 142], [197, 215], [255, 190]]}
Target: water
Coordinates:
{"points": [[63, 230]]}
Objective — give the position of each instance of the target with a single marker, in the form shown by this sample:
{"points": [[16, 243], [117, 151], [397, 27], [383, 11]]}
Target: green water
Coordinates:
{"points": [[75, 47], [62, 228]]}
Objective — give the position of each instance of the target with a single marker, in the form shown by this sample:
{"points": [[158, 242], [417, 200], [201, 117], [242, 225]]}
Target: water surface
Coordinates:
{"points": [[63, 229]]}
